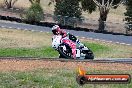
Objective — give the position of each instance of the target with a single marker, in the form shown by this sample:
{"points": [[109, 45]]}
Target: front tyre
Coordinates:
{"points": [[61, 56], [65, 51]]}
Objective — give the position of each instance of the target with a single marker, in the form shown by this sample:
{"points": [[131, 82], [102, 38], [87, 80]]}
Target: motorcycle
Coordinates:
{"points": [[67, 48]]}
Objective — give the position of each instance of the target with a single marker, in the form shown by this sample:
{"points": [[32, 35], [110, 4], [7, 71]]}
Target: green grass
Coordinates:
{"points": [[105, 50], [46, 51], [99, 51], [96, 48], [51, 78], [25, 52]]}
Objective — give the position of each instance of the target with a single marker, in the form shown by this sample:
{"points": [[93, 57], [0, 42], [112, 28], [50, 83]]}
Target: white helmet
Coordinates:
{"points": [[55, 27]]}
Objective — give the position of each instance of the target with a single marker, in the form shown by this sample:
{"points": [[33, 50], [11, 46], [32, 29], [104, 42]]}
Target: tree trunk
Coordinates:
{"points": [[9, 3], [101, 26], [38, 1], [34, 1], [102, 19]]}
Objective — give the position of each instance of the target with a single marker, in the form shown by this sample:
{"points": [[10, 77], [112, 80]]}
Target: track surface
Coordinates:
{"points": [[105, 60], [29, 65], [107, 37]]}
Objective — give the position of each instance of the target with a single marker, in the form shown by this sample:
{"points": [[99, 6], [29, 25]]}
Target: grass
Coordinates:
{"points": [[23, 52], [11, 38], [45, 51], [109, 50], [51, 78], [20, 43]]}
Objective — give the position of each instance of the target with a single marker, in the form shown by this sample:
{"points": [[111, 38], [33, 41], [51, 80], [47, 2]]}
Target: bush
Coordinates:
{"points": [[35, 13], [128, 13], [67, 9]]}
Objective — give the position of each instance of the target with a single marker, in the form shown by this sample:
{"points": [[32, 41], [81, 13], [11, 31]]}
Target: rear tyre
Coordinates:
{"points": [[89, 54], [65, 53]]}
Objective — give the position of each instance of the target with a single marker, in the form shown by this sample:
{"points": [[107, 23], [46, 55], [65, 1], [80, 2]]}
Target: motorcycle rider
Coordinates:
{"points": [[57, 31]]}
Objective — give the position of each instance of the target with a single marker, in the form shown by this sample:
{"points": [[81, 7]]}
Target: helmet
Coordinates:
{"points": [[54, 29]]}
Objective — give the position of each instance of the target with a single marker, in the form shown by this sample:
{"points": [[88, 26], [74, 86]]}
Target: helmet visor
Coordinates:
{"points": [[54, 32]]}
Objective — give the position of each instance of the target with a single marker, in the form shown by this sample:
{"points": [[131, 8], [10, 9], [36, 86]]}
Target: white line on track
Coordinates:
{"points": [[97, 39], [117, 42], [104, 41], [10, 27], [128, 44], [123, 43], [18, 28], [3, 26], [47, 32], [26, 29]]}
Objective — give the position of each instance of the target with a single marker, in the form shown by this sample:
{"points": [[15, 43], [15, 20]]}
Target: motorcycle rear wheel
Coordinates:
{"points": [[89, 54]]}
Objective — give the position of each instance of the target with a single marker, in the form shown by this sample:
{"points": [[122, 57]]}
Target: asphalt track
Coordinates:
{"points": [[97, 60], [121, 39]]}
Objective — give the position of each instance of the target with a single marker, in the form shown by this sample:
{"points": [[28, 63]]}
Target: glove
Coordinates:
{"points": [[68, 33]]}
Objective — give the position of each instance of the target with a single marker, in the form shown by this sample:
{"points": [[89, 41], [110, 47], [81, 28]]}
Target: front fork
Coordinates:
{"points": [[74, 52]]}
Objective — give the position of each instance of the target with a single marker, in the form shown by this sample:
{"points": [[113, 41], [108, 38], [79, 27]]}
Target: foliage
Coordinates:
{"points": [[35, 13], [69, 8], [34, 1], [129, 11], [104, 7], [88, 6]]}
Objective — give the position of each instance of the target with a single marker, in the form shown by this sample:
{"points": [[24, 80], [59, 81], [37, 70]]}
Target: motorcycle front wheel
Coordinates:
{"points": [[65, 51]]}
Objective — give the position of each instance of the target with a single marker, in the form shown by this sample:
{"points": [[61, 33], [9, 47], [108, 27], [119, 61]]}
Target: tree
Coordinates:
{"points": [[34, 1], [128, 13], [104, 7], [69, 9], [10, 3], [35, 13]]}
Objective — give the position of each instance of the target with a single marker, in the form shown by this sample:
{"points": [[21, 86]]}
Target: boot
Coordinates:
{"points": [[79, 44]]}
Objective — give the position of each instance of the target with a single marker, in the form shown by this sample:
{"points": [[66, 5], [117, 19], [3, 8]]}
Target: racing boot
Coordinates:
{"points": [[79, 44]]}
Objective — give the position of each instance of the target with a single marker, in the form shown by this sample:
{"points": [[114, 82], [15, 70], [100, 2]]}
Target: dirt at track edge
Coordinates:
{"points": [[26, 65]]}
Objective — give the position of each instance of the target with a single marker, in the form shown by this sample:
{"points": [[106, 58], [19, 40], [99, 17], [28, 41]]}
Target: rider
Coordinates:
{"points": [[57, 31]]}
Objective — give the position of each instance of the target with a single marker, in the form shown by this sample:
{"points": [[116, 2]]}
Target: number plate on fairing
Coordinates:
{"points": [[77, 53]]}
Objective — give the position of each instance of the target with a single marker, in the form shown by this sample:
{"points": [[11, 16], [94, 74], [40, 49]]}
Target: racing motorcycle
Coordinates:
{"points": [[67, 48]]}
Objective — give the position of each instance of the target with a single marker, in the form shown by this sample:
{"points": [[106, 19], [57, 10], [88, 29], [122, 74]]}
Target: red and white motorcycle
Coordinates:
{"points": [[67, 48]]}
